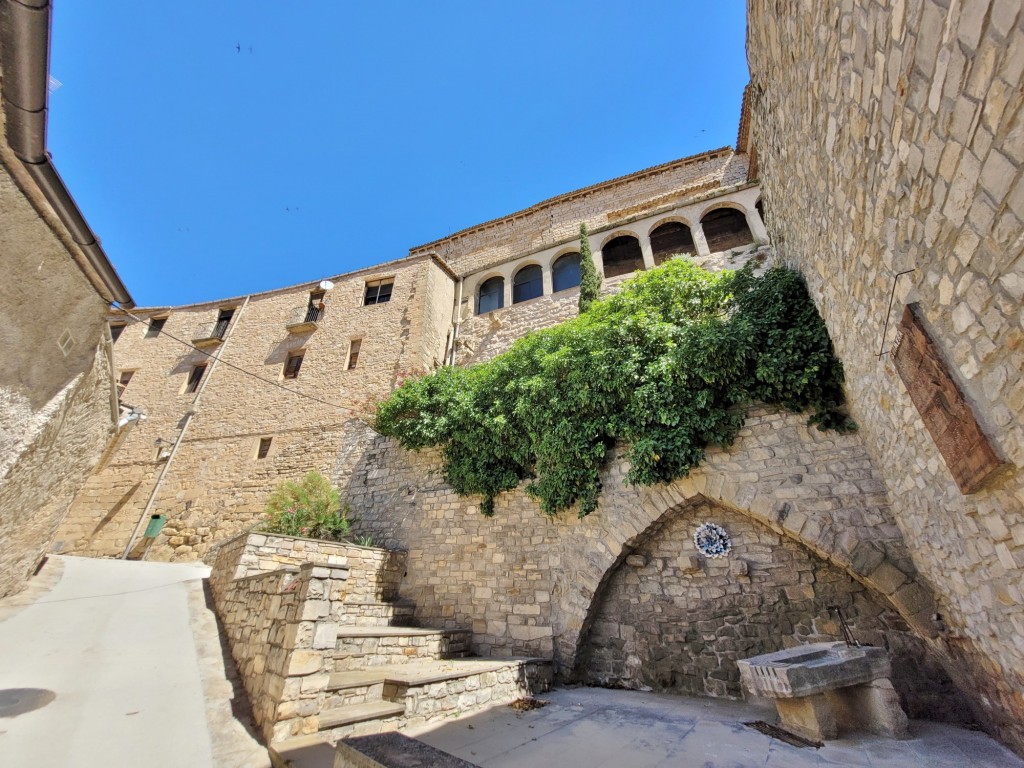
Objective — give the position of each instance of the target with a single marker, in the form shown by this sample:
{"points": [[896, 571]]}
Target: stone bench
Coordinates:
{"points": [[820, 686]]}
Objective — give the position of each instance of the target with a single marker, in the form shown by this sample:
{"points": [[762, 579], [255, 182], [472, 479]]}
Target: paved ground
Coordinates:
{"points": [[595, 728], [122, 660]]}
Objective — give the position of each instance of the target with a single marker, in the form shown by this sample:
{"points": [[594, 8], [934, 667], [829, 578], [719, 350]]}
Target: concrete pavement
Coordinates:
{"points": [[600, 728], [130, 652]]}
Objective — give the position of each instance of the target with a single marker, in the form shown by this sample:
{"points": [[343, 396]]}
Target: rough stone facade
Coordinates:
{"points": [[890, 138], [672, 620], [56, 408], [215, 483], [526, 583]]}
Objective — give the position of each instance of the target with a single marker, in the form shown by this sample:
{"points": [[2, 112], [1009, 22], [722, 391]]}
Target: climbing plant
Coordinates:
{"points": [[666, 366], [590, 281]]}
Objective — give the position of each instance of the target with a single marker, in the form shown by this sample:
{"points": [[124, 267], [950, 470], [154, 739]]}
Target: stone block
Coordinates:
{"points": [[809, 716], [304, 663], [325, 635]]}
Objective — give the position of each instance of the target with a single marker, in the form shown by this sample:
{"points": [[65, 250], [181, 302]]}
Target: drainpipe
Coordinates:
{"points": [[181, 435], [25, 59], [458, 322]]}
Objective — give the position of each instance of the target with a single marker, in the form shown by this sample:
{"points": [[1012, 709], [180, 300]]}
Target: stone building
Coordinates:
{"points": [[243, 392], [888, 148], [57, 402]]}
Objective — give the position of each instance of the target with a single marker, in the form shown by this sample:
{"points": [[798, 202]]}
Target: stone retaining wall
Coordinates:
{"points": [[891, 137]]}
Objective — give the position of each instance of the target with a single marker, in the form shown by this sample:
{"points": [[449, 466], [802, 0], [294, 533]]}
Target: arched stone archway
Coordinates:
{"points": [[819, 490]]}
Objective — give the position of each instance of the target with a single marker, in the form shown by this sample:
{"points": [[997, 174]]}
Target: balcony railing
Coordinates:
{"points": [[304, 319], [210, 334]]}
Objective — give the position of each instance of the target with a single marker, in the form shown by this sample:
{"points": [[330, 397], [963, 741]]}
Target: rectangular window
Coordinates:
{"points": [[122, 382], [156, 324], [353, 353], [378, 291], [115, 331], [194, 379], [316, 306], [223, 321], [291, 368], [264, 448]]}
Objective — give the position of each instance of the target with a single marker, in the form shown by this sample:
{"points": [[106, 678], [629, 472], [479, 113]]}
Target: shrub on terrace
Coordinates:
{"points": [[665, 365], [311, 508]]}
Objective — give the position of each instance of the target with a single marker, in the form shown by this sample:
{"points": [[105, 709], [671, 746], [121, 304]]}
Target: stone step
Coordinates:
{"points": [[358, 713], [366, 647], [366, 613]]}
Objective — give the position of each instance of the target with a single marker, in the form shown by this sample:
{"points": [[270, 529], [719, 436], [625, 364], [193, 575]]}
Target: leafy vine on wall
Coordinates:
{"points": [[666, 365]]}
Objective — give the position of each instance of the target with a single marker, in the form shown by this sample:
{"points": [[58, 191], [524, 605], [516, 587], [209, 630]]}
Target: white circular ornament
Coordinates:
{"points": [[712, 540]]}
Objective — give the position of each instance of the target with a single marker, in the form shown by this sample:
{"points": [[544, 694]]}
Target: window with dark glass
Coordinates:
{"points": [[353, 353], [122, 382], [223, 321], [315, 308], [622, 256], [264, 448], [194, 378], [528, 283], [378, 291], [116, 329], [292, 366], [566, 272], [156, 324], [491, 295]]}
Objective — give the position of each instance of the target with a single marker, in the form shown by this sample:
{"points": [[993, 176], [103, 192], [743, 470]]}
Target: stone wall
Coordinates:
{"points": [[890, 138], [280, 599], [56, 412], [525, 583], [216, 485], [673, 620]]}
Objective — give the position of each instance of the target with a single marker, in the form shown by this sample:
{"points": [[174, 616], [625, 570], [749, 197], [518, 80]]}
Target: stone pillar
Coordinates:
{"points": [[508, 292], [599, 261], [648, 252], [808, 716], [757, 227], [697, 232], [546, 278]]}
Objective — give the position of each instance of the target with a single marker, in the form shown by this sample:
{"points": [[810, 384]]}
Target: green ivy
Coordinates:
{"points": [[665, 365]]}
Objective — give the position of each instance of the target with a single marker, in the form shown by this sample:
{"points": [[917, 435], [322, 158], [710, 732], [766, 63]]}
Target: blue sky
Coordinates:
{"points": [[226, 147]]}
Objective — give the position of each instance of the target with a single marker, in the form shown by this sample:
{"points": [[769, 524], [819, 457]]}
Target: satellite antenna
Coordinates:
{"points": [[326, 285]]}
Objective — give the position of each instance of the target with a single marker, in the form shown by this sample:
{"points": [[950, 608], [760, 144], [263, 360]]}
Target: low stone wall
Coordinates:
{"points": [[281, 616], [375, 573]]}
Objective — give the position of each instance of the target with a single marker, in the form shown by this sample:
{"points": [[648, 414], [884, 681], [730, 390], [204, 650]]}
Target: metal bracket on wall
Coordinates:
{"points": [[885, 332]]}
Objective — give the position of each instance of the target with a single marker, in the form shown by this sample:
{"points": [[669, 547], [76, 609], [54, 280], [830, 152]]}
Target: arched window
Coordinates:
{"points": [[622, 256], [725, 228], [669, 239], [528, 283], [566, 272], [491, 296]]}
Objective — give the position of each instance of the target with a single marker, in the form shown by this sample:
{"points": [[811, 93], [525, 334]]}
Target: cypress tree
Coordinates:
{"points": [[590, 280]]}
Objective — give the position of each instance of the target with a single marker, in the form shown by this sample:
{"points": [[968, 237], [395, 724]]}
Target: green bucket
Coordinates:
{"points": [[156, 524]]}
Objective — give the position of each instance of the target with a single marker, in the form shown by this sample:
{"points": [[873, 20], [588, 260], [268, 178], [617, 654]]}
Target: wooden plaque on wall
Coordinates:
{"points": [[944, 410]]}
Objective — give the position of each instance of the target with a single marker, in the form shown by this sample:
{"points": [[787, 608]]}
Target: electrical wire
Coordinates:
{"points": [[277, 384]]}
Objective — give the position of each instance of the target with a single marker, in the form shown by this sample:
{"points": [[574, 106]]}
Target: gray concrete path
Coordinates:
{"points": [[129, 651], [596, 728]]}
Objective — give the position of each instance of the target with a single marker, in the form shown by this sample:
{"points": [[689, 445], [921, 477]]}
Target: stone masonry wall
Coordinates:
{"points": [[281, 600], [40, 483], [216, 486], [891, 137], [673, 620], [600, 206], [525, 583]]}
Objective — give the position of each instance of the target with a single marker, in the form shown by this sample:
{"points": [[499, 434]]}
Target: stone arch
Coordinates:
{"points": [[669, 237], [621, 254], [527, 282], [565, 271], [725, 226], [777, 474], [493, 286]]}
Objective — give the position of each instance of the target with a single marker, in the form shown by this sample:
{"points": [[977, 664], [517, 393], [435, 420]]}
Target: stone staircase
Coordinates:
{"points": [[330, 649]]}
